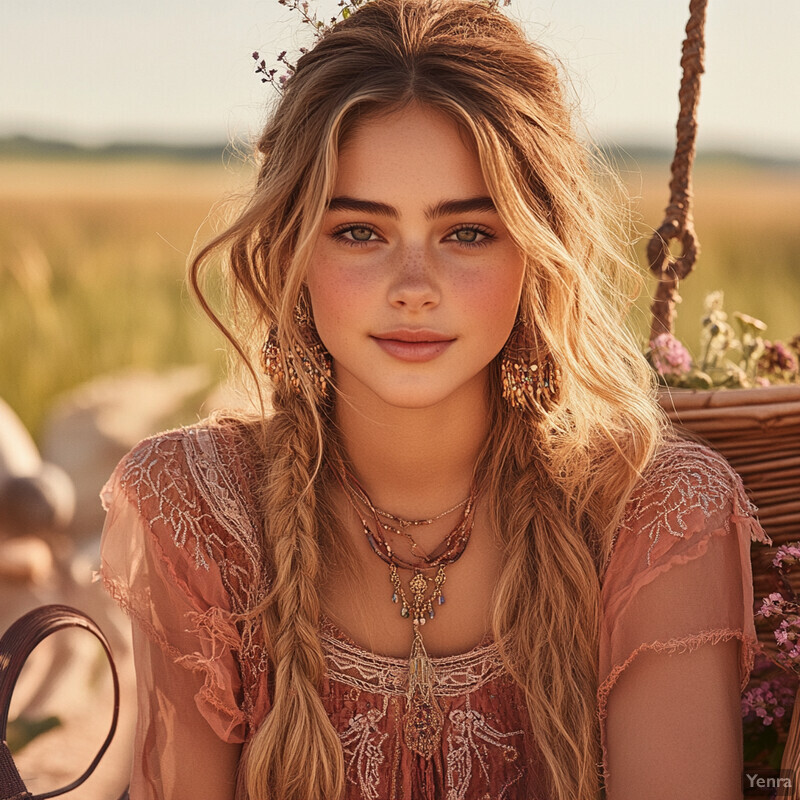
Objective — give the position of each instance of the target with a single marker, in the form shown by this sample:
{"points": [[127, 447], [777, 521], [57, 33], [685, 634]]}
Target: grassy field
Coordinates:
{"points": [[747, 221], [92, 264], [93, 254]]}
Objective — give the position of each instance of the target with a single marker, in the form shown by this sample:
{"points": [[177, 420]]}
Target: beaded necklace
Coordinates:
{"points": [[423, 720], [394, 524]]}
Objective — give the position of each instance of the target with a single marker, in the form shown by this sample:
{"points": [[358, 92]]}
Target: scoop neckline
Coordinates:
{"points": [[336, 633]]}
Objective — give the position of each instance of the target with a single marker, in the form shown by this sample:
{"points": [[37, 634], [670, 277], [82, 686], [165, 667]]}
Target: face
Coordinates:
{"points": [[414, 280]]}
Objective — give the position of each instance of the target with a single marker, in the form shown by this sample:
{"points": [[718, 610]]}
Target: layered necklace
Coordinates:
{"points": [[424, 718]]}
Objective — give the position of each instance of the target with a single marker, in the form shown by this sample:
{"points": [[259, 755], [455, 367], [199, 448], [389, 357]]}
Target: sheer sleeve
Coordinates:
{"points": [[158, 563], [677, 637]]}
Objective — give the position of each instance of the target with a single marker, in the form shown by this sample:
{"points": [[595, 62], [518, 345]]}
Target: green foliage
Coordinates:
{"points": [[22, 731], [93, 281], [732, 357], [746, 218]]}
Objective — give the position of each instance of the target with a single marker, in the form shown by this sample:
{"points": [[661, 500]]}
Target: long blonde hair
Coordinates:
{"points": [[557, 484]]}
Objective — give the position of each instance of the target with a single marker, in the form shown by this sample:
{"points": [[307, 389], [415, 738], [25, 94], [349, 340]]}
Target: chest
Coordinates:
{"points": [[357, 597]]}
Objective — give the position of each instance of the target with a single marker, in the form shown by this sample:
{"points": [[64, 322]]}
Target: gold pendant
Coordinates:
{"points": [[424, 718]]}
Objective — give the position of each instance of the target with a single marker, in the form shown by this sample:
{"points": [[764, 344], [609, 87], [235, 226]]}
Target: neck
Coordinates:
{"points": [[415, 462]]}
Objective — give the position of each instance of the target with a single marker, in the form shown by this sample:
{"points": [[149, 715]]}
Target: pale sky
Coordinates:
{"points": [[181, 70]]}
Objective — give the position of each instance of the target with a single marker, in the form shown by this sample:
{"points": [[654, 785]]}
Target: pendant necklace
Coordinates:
{"points": [[423, 719]]}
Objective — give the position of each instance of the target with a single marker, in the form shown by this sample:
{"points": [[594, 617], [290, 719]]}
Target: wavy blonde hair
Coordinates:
{"points": [[556, 485]]}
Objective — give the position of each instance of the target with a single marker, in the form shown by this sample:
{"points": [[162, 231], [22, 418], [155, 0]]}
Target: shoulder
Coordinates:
{"points": [[687, 489], [194, 488], [685, 476], [188, 461]]}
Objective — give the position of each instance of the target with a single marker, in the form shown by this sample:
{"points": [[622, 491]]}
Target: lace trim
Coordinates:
{"points": [[163, 494], [166, 493], [455, 676], [193, 486], [220, 472], [192, 481]]}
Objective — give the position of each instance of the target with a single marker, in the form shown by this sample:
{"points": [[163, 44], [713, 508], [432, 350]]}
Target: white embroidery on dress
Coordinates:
{"points": [[455, 675], [187, 480], [213, 468], [468, 744], [685, 478], [164, 495], [362, 743], [469, 736], [216, 466], [192, 482]]}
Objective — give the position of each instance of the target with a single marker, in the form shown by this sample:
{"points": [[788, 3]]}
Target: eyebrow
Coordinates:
{"points": [[442, 209], [470, 205]]}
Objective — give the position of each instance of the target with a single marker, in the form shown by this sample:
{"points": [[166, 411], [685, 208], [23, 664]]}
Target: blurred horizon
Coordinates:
{"points": [[23, 145]]}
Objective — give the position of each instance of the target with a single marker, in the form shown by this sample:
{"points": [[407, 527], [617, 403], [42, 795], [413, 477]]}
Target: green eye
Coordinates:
{"points": [[466, 235], [361, 234]]}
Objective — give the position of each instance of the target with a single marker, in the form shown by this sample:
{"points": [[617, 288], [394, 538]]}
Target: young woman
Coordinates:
{"points": [[458, 414]]}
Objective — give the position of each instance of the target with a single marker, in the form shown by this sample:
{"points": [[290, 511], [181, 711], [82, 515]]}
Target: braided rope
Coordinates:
{"points": [[678, 221]]}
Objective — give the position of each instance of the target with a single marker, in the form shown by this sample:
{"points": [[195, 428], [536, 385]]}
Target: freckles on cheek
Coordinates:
{"points": [[336, 296]]}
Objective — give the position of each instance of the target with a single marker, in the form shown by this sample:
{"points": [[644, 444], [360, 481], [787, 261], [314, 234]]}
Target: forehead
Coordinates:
{"points": [[416, 148]]}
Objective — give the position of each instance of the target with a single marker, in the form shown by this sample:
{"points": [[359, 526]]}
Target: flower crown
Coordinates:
{"points": [[278, 75], [283, 68]]}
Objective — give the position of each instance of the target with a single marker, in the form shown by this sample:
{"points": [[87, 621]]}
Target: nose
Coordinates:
{"points": [[414, 284]]}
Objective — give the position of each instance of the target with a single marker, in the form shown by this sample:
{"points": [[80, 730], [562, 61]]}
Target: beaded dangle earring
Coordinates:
{"points": [[527, 383], [314, 360]]}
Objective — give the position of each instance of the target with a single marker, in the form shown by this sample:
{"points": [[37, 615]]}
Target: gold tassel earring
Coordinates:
{"points": [[528, 383], [313, 359]]}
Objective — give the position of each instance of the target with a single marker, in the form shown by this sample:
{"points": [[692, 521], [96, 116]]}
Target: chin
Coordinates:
{"points": [[413, 402], [417, 397], [412, 392]]}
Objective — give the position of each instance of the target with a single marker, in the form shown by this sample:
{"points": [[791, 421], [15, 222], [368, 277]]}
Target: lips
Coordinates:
{"points": [[413, 345], [410, 335]]}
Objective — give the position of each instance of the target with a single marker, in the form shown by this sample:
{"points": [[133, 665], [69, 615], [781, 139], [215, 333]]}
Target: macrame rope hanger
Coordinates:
{"points": [[678, 221]]}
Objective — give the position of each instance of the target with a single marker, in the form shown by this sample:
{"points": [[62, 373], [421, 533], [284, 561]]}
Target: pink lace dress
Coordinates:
{"points": [[181, 555]]}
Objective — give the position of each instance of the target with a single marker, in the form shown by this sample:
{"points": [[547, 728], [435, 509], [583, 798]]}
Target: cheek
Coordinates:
{"points": [[337, 297], [494, 298]]}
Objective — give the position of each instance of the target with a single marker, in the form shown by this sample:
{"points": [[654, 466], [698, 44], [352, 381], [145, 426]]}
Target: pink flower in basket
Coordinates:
{"points": [[787, 635], [771, 605], [785, 611], [787, 556], [767, 700], [669, 357], [778, 360]]}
